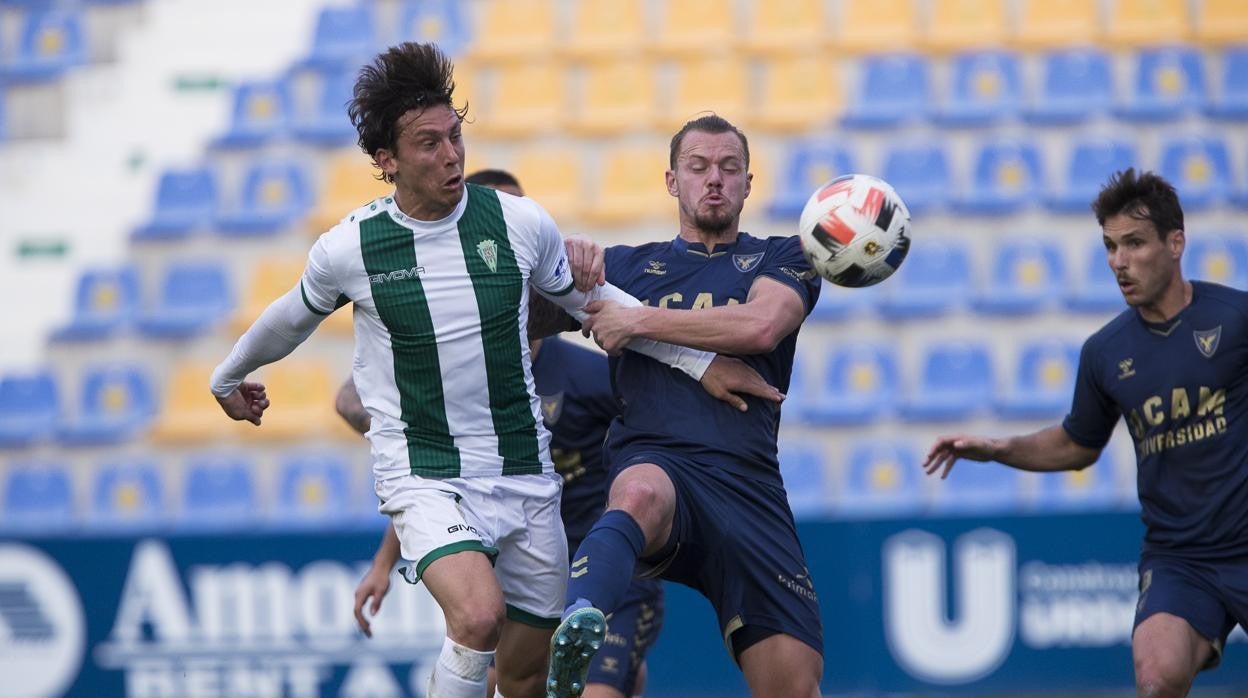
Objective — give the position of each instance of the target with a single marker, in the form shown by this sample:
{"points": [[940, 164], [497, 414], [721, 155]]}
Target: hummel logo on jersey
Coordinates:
{"points": [[656, 267], [488, 249], [1124, 369], [396, 275], [746, 262], [1207, 340]]}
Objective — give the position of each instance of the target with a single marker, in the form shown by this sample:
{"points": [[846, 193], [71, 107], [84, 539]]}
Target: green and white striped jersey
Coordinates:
{"points": [[441, 354]]}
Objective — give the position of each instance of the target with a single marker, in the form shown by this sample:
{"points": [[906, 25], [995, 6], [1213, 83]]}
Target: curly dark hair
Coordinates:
{"points": [[408, 76], [711, 123], [1144, 196]]}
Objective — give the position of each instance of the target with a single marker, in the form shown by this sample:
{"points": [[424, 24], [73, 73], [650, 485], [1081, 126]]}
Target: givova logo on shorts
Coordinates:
{"points": [[42, 626]]}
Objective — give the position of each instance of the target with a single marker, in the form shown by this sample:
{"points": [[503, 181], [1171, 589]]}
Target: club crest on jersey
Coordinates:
{"points": [[488, 249], [552, 408], [1207, 340], [746, 262]]}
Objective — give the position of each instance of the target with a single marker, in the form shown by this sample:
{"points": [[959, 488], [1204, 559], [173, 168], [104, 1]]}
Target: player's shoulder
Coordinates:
{"points": [[1232, 299], [520, 212], [1111, 331], [349, 225], [624, 254], [780, 243]]}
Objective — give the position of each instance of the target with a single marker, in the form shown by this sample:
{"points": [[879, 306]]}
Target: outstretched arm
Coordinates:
{"points": [[1047, 450]]}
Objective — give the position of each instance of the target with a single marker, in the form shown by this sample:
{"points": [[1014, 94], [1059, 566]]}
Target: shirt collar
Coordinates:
{"points": [[697, 249]]}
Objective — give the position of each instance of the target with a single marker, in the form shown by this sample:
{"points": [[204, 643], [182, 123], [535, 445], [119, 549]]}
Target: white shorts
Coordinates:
{"points": [[513, 519]]}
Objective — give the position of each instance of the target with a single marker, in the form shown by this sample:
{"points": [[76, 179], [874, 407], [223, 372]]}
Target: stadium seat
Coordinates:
{"points": [[50, 43], [313, 489], [1199, 169], [836, 303], [1044, 381], [38, 498], [960, 25], [218, 492], [801, 93], [1221, 22], [794, 26], [275, 194], [985, 90], [881, 479], [1094, 488], [188, 413], [528, 98], [891, 90], [1025, 276], [919, 171], [552, 176], [105, 302], [1222, 259], [631, 186], [186, 200], [1169, 82], [1147, 22], [616, 97], [1007, 178], [29, 407], [350, 182], [270, 278], [509, 29], [1092, 161], [876, 26], [116, 403], [805, 478], [859, 386], [978, 489], [261, 113], [808, 163], [935, 279], [699, 85], [693, 28], [1230, 98], [1075, 84], [442, 22], [305, 390], [605, 28], [955, 382], [318, 102], [344, 36], [194, 296], [1097, 290], [127, 494], [1048, 24]]}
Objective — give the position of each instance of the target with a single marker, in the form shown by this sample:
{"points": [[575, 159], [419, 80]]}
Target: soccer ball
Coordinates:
{"points": [[855, 230]]}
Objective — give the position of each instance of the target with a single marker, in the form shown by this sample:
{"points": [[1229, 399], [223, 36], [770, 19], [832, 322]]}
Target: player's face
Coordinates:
{"points": [[1143, 263], [710, 180], [427, 162]]}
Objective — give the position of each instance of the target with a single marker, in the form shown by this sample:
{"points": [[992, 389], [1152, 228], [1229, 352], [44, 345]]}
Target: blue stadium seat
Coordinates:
{"points": [[1043, 382], [979, 488], [860, 384], [1092, 489], [985, 90], [38, 497], [1075, 84], [1199, 169], [1222, 259], [1024, 276], [1007, 178], [1169, 82], [805, 478], [1097, 290], [313, 489], [935, 279], [344, 36], [194, 296], [275, 194], [261, 113], [808, 163], [1092, 161], [881, 479], [29, 407], [836, 303], [127, 494], [892, 90], [920, 174], [51, 43], [105, 301], [186, 200], [117, 402], [1230, 100], [443, 22], [321, 118], [218, 491], [955, 382]]}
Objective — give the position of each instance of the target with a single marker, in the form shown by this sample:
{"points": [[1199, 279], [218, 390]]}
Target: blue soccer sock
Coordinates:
{"points": [[602, 568]]}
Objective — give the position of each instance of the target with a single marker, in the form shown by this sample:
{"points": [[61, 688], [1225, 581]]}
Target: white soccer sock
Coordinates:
{"points": [[460, 672]]}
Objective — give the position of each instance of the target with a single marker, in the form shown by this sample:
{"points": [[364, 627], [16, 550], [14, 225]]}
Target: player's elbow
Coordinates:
{"points": [[761, 336], [1083, 458]]}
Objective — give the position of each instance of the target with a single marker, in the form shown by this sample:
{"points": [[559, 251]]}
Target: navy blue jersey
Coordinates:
{"points": [[577, 407], [664, 408], [1183, 388]]}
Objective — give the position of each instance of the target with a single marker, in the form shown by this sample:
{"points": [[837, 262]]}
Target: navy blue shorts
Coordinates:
{"points": [[734, 540], [1212, 596], [631, 631]]}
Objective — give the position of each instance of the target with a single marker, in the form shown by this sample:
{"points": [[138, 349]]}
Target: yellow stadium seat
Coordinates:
{"points": [[800, 93], [1147, 22], [717, 84], [632, 187], [602, 28], [1222, 22], [1044, 24], [350, 182], [877, 26], [785, 26], [527, 98], [189, 414], [616, 96], [960, 25], [508, 29], [303, 395], [269, 279], [552, 177], [694, 27]]}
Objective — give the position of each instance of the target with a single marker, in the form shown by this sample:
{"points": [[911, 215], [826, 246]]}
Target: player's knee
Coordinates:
{"points": [[640, 498], [1158, 676], [475, 626], [532, 683]]}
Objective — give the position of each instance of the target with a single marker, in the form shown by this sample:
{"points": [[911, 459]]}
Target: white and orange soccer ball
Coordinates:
{"points": [[855, 230]]}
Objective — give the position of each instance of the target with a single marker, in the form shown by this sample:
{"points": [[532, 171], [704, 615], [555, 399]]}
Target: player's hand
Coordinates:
{"points": [[247, 402], [373, 586], [728, 379], [586, 261], [948, 449], [610, 323]]}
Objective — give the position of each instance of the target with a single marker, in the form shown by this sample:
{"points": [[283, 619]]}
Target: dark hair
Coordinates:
{"points": [[493, 178], [711, 123], [404, 77], [1144, 196]]}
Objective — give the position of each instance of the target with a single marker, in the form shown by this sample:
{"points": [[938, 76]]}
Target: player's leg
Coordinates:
{"points": [[522, 659], [1181, 625], [781, 666], [1168, 653]]}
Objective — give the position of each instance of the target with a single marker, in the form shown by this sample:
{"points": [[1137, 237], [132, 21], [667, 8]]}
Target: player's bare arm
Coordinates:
{"points": [[376, 583], [351, 408], [247, 403], [1047, 450]]}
